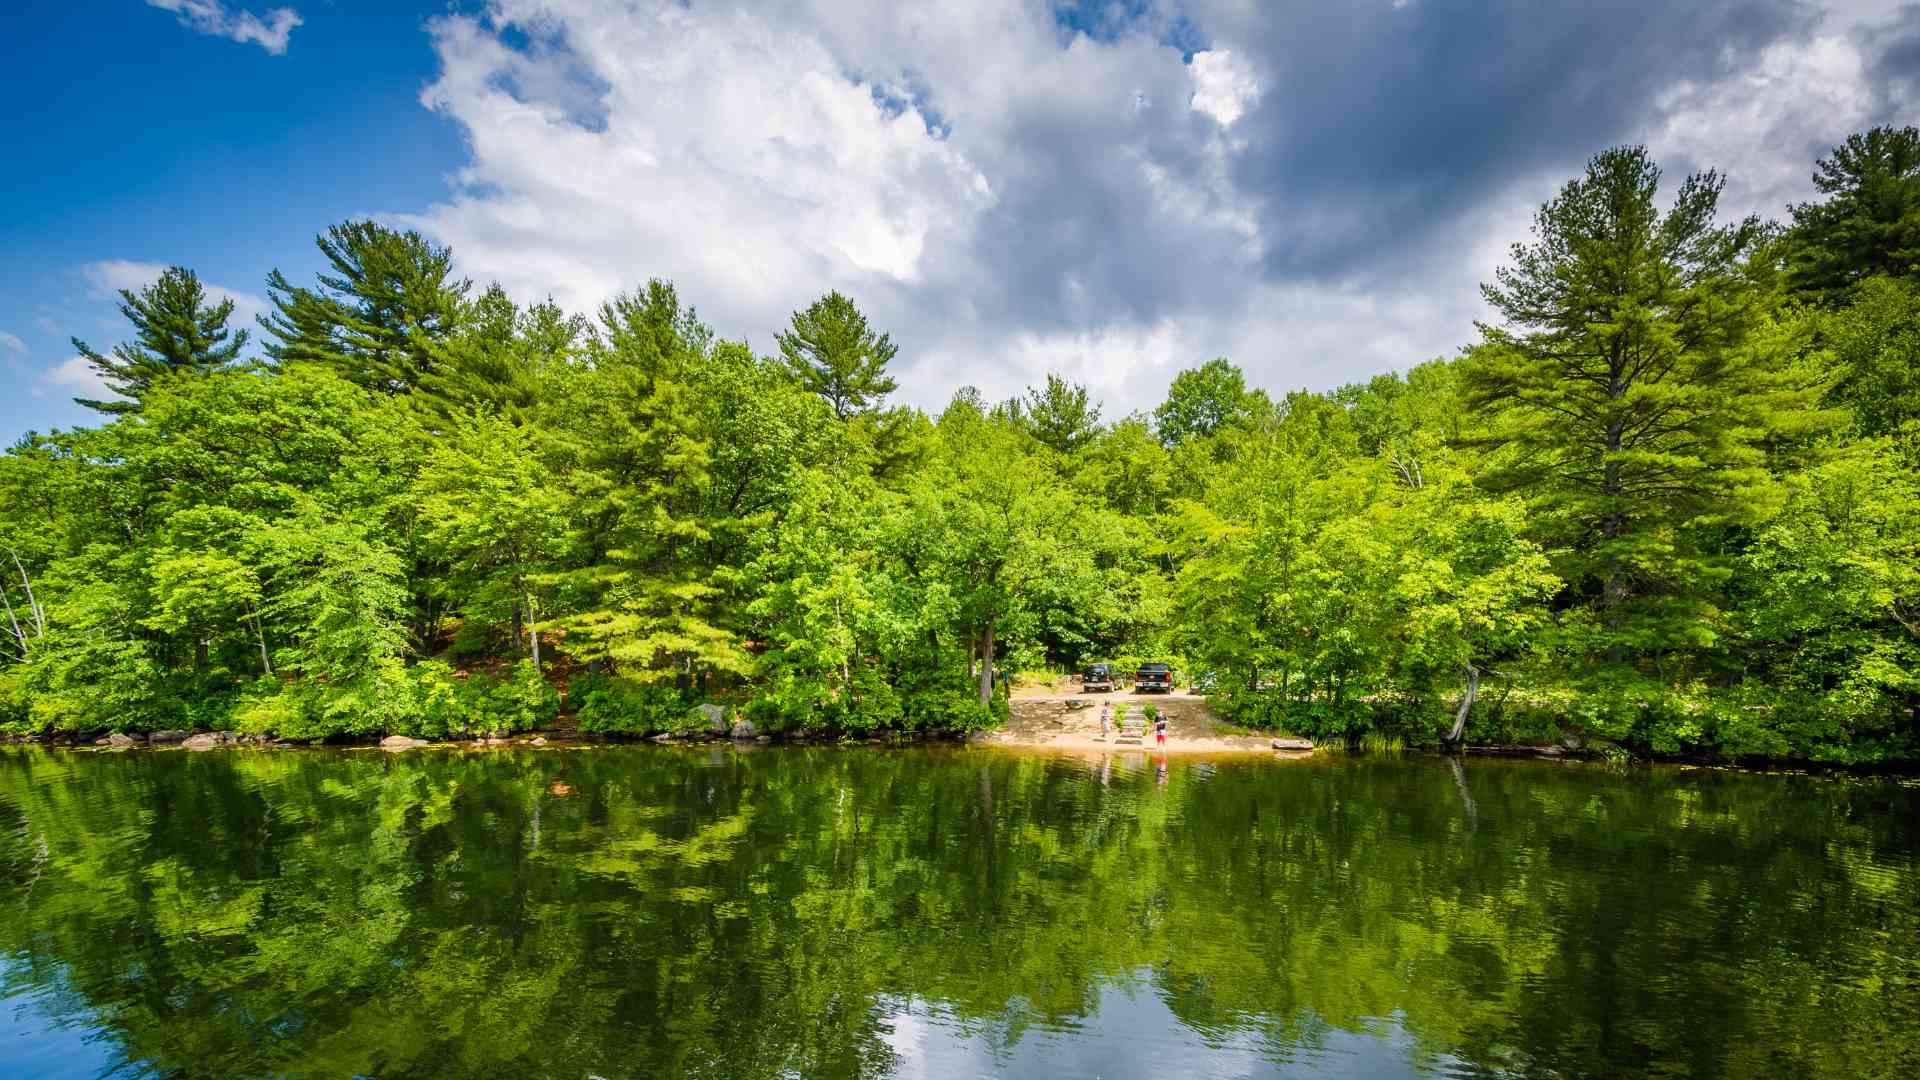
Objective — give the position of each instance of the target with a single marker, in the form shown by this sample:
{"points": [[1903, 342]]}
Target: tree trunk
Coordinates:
{"points": [[1466, 706], [18, 637], [533, 632], [260, 635], [986, 664], [35, 613]]}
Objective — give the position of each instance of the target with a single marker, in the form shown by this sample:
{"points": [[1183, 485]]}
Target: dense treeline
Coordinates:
{"points": [[1668, 500]]}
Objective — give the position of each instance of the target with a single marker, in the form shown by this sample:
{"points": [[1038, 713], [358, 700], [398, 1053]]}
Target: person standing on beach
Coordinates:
{"points": [[1160, 731], [1106, 718]]}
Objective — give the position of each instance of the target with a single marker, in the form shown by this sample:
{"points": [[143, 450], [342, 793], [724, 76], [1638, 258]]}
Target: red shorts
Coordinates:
{"points": [[1160, 737]]}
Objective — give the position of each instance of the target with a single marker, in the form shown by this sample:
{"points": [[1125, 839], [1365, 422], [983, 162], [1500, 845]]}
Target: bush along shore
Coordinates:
{"points": [[1667, 501]]}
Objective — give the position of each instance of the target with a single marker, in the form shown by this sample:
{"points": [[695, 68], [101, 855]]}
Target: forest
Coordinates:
{"points": [[1666, 503]]}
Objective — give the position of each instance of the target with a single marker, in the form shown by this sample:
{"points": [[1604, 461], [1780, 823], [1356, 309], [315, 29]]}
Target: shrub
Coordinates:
{"points": [[609, 705]]}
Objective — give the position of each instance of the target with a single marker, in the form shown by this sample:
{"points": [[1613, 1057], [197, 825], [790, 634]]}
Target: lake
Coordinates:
{"points": [[655, 912]]}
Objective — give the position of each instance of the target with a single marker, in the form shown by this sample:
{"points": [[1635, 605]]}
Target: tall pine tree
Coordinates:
{"points": [[175, 330], [390, 298], [1635, 389]]}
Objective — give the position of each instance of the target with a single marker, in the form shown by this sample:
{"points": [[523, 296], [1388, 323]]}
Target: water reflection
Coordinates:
{"points": [[644, 912]]}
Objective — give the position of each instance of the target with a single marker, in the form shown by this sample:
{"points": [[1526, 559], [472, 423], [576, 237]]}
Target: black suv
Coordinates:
{"points": [[1097, 677], [1155, 676]]}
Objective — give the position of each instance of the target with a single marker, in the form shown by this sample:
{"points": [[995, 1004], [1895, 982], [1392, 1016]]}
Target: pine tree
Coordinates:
{"points": [[390, 299], [1060, 415], [833, 354], [175, 330], [1870, 222], [499, 357], [1634, 391]]}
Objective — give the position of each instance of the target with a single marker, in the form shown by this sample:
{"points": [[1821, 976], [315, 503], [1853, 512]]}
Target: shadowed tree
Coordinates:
{"points": [[1870, 221], [175, 330]]}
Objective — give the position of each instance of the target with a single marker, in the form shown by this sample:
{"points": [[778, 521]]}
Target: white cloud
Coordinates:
{"points": [[1222, 86], [1008, 200], [213, 18], [12, 343], [731, 150], [109, 276], [1764, 125], [74, 377]]}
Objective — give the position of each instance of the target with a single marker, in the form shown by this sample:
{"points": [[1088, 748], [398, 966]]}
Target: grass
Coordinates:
{"points": [[1377, 742]]}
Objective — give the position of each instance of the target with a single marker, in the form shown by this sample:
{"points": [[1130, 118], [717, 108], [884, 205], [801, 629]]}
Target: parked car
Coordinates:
{"points": [[1153, 676], [1097, 677]]}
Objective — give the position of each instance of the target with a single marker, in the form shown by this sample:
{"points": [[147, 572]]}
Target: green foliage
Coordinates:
{"points": [[1635, 392], [1206, 401], [1061, 416], [1874, 341], [1667, 504], [607, 705]]}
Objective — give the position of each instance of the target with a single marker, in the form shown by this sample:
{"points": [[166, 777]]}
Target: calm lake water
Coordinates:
{"points": [[619, 912]]}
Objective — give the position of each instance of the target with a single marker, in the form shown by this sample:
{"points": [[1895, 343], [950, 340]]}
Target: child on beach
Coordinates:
{"points": [[1160, 731], [1106, 717]]}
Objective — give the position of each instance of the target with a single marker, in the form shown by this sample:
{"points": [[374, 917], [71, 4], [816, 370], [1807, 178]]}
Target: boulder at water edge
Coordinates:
{"points": [[207, 740], [168, 736], [401, 742], [744, 729]]}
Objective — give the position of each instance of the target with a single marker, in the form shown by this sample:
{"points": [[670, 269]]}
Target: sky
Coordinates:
{"points": [[1112, 192]]}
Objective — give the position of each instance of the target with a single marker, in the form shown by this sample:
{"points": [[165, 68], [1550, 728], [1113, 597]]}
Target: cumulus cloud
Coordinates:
{"points": [[1222, 87], [1011, 188], [215, 19], [109, 276]]}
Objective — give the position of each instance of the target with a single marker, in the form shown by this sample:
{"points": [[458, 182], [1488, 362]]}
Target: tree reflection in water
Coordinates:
{"points": [[645, 912]]}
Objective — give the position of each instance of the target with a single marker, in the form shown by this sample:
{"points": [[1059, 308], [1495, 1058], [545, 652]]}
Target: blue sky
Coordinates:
{"points": [[1110, 191], [136, 139]]}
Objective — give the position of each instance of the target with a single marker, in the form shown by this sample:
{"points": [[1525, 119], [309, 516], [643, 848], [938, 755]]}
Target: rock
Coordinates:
{"points": [[401, 742], [743, 729], [538, 740], [1292, 744], [1571, 742], [495, 740], [763, 738], [168, 736], [206, 740], [103, 740], [716, 717], [121, 739], [663, 737]]}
